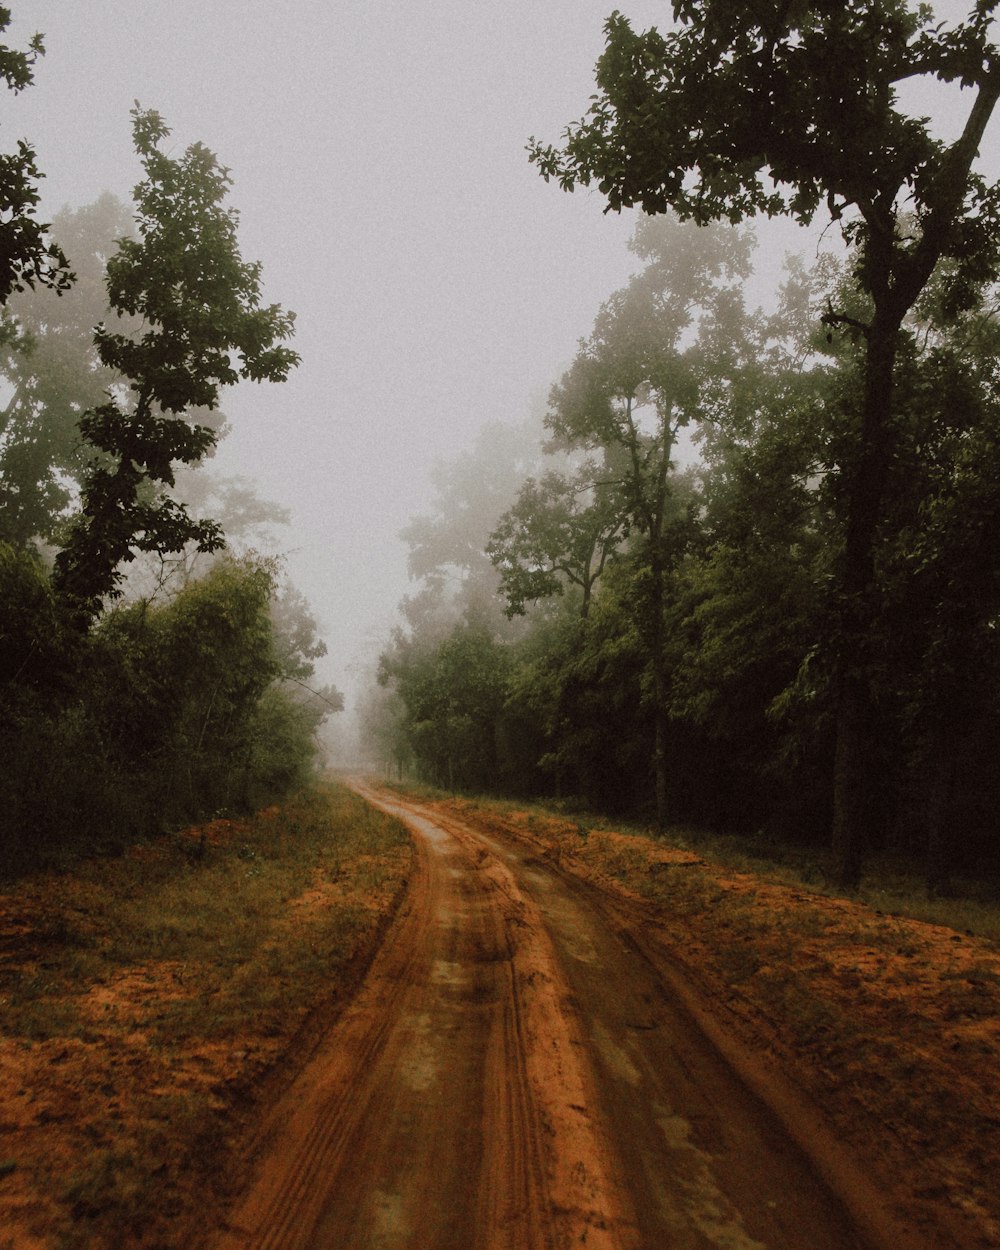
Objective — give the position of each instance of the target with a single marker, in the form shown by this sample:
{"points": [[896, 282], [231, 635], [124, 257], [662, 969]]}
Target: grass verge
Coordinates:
{"points": [[143, 998]]}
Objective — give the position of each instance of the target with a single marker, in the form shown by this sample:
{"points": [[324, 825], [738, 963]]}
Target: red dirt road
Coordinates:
{"points": [[521, 1071]]}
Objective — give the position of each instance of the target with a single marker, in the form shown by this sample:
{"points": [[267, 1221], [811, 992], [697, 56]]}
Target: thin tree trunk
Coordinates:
{"points": [[660, 718], [855, 754], [851, 782], [660, 769], [942, 766]]}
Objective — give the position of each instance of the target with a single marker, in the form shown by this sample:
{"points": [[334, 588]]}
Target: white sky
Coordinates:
{"points": [[377, 150]]}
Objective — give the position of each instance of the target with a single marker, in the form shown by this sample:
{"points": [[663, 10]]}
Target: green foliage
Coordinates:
{"points": [[50, 364], [165, 711], [741, 566], [775, 108], [202, 327], [563, 529], [453, 694], [27, 257], [781, 108], [35, 653], [161, 715]]}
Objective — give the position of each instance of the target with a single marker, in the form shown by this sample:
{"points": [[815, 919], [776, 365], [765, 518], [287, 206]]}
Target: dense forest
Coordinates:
{"points": [[150, 672], [750, 579]]}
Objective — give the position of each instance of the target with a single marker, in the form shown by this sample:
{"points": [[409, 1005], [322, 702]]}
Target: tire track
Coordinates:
{"points": [[285, 1203], [522, 1070], [450, 1106]]}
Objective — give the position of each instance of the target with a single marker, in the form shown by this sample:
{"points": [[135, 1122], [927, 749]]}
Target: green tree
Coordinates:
{"points": [[382, 728], [578, 715], [50, 364], [940, 572], [454, 693], [774, 107], [447, 545], [204, 327], [245, 518], [27, 256], [658, 354], [746, 626], [562, 530]]}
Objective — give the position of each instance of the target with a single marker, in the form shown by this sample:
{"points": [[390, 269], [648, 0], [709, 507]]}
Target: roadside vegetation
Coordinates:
{"points": [[148, 999], [895, 887], [154, 669], [674, 661]]}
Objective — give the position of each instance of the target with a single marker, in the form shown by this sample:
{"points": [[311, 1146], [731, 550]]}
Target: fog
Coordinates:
{"points": [[378, 157]]}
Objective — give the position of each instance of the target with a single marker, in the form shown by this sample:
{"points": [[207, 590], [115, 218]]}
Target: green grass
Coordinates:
{"points": [[215, 914]]}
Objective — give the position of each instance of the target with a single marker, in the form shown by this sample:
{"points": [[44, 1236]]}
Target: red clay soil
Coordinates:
{"points": [[563, 1040], [890, 1026], [527, 1068], [101, 1109]]}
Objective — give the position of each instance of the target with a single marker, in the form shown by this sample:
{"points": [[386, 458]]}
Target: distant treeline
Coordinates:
{"points": [[646, 616], [148, 677]]}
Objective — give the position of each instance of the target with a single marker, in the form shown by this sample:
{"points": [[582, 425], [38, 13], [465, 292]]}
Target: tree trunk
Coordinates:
{"points": [[851, 782], [854, 752], [942, 763], [660, 717], [660, 768]]}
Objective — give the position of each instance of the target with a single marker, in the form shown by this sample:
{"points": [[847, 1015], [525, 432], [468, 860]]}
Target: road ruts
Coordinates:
{"points": [[450, 1107], [519, 1072]]}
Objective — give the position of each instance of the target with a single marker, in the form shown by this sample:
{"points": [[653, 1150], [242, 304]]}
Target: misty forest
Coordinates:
{"points": [[742, 574], [143, 687], [744, 577], [639, 885]]}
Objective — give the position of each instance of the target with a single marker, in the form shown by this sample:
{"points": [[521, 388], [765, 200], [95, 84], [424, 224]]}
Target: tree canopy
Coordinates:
{"points": [[27, 255], [705, 679], [196, 694], [204, 327], [777, 107]]}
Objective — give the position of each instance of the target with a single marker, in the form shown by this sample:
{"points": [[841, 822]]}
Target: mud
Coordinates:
{"points": [[521, 1071]]}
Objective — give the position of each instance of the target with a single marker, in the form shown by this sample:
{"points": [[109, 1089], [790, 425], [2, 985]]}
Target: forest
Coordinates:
{"points": [[743, 575], [671, 918], [749, 578], [155, 666]]}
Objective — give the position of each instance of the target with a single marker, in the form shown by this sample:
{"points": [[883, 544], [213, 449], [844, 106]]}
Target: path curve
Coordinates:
{"points": [[516, 1073]]}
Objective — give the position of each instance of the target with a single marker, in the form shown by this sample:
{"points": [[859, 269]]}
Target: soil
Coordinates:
{"points": [[97, 1113], [550, 1050], [527, 1067]]}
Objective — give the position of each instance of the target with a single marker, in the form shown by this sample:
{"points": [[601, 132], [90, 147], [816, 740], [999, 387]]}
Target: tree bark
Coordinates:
{"points": [[660, 717], [851, 782], [855, 745], [942, 765]]}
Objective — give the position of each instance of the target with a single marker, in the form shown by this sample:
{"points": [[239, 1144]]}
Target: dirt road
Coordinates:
{"points": [[518, 1072]]}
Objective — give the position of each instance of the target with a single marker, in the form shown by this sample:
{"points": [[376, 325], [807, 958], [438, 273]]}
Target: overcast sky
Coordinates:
{"points": [[377, 151]]}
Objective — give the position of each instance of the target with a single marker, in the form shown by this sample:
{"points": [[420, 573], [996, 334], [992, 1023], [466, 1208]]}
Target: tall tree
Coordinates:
{"points": [[51, 367], [27, 256], [204, 327], [777, 107], [940, 568], [657, 353], [562, 529], [447, 544], [453, 692]]}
